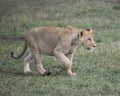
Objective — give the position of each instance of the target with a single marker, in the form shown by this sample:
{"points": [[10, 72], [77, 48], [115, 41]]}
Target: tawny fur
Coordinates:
{"points": [[58, 42]]}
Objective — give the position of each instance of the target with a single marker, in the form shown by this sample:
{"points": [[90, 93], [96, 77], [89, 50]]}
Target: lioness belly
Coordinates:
{"points": [[45, 48]]}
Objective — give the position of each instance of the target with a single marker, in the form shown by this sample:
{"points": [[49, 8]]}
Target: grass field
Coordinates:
{"points": [[98, 73]]}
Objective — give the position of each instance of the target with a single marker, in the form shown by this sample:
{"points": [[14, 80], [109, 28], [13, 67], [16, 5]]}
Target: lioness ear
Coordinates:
{"points": [[89, 30], [70, 27], [80, 34]]}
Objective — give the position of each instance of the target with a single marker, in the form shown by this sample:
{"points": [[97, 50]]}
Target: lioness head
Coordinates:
{"points": [[86, 39]]}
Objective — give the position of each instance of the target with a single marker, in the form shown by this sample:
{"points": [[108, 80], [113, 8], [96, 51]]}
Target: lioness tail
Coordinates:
{"points": [[17, 57]]}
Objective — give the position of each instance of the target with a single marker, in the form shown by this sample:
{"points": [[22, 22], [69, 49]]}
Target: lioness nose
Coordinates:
{"points": [[94, 45]]}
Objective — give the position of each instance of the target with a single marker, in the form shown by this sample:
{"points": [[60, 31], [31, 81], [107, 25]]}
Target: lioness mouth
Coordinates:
{"points": [[90, 49]]}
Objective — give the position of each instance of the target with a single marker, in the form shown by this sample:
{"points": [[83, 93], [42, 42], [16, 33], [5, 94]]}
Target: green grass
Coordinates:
{"points": [[98, 73]]}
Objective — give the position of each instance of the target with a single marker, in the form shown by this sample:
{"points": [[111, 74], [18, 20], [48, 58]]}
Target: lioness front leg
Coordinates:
{"points": [[39, 66], [65, 61]]}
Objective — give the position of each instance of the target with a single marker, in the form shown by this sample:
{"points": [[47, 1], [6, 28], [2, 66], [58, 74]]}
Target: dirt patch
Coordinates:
{"points": [[11, 38]]}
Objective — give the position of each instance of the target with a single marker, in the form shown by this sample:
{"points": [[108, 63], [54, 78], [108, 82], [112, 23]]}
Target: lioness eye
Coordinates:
{"points": [[89, 39]]}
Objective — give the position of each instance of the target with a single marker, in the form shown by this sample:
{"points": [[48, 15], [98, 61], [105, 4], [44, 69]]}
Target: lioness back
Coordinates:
{"points": [[43, 39]]}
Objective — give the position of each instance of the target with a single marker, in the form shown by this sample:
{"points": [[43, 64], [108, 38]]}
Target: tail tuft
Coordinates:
{"points": [[12, 54]]}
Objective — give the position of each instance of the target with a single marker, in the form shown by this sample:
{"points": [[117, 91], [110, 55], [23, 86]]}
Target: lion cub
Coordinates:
{"points": [[55, 41]]}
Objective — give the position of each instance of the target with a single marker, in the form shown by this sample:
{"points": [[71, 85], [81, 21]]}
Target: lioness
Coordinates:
{"points": [[55, 41]]}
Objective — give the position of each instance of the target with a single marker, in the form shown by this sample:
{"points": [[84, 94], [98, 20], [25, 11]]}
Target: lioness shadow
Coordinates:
{"points": [[55, 70], [9, 73]]}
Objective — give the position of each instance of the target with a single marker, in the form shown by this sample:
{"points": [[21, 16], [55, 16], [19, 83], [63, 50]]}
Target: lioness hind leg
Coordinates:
{"points": [[39, 66], [26, 63]]}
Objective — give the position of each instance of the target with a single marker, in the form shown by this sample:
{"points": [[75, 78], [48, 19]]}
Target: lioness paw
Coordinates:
{"points": [[28, 73], [47, 73], [71, 74]]}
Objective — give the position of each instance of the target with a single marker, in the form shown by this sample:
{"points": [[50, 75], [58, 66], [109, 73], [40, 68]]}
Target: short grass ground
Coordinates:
{"points": [[98, 73]]}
